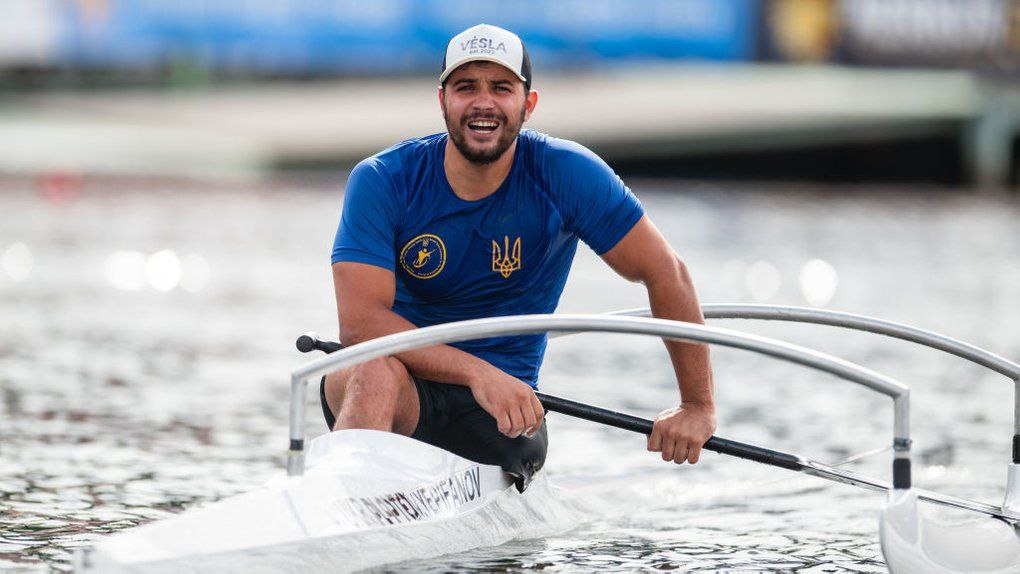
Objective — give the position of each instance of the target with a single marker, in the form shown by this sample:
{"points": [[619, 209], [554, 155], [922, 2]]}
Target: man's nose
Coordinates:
{"points": [[483, 100]]}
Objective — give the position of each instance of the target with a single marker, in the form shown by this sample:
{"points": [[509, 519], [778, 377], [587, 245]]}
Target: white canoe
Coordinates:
{"points": [[367, 498]]}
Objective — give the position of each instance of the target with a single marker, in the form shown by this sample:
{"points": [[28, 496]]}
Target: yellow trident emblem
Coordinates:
{"points": [[505, 261]]}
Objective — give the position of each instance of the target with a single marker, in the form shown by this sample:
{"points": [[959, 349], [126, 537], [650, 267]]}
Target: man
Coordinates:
{"points": [[482, 221]]}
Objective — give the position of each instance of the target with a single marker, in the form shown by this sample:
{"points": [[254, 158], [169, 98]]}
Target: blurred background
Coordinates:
{"points": [[821, 90], [171, 173]]}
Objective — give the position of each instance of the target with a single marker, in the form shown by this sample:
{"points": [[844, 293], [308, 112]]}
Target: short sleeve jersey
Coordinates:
{"points": [[506, 254]]}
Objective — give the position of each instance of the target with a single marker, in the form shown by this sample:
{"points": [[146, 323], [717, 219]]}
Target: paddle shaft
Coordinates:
{"points": [[310, 342], [644, 426]]}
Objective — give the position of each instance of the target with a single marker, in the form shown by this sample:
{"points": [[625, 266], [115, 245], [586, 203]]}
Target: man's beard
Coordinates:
{"points": [[484, 157]]}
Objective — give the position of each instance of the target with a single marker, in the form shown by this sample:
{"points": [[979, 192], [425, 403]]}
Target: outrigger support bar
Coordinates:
{"points": [[868, 324], [524, 324]]}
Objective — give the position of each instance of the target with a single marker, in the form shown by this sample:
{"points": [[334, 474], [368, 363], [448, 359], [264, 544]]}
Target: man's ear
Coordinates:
{"points": [[442, 99], [530, 101]]}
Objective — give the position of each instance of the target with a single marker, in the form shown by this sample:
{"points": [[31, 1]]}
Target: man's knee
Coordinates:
{"points": [[383, 379], [382, 374], [377, 394]]}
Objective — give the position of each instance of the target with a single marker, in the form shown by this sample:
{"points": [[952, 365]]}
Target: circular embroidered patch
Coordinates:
{"points": [[424, 256]]}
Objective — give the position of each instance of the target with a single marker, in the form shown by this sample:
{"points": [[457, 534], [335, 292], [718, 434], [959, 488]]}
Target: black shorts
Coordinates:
{"points": [[450, 419]]}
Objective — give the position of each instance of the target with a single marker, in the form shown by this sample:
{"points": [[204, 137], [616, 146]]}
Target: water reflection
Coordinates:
{"points": [[195, 273], [762, 281], [818, 282], [125, 270], [17, 261], [163, 270]]}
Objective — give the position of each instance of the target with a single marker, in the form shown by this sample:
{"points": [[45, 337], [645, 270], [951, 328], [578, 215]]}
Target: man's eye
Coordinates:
{"points": [[503, 88], [465, 88]]}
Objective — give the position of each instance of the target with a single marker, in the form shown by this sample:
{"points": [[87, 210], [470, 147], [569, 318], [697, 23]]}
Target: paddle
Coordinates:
{"points": [[310, 342]]}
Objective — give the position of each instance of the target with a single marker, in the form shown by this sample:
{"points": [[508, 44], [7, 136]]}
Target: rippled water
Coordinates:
{"points": [[122, 403]]}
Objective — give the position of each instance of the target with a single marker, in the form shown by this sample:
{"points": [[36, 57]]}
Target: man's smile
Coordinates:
{"points": [[483, 128]]}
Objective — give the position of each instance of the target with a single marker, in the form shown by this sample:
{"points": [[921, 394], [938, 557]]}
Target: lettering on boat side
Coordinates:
{"points": [[410, 506]]}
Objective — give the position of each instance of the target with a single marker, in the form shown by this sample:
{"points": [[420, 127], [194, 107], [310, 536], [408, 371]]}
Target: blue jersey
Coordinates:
{"points": [[506, 254]]}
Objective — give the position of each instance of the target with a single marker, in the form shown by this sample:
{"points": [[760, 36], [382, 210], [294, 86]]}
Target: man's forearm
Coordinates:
{"points": [[441, 363], [672, 296]]}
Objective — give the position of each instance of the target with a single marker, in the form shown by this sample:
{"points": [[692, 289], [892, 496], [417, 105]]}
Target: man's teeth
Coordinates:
{"points": [[483, 125]]}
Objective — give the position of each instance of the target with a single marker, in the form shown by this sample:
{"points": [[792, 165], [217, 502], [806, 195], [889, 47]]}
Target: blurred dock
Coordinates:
{"points": [[634, 113]]}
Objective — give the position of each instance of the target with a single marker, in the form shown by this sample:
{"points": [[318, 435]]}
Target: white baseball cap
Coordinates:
{"points": [[487, 43]]}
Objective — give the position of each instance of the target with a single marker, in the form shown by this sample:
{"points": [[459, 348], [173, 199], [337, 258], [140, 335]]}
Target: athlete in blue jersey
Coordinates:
{"points": [[480, 221]]}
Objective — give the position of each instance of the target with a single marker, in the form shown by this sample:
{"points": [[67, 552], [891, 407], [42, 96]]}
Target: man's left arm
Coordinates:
{"points": [[644, 255]]}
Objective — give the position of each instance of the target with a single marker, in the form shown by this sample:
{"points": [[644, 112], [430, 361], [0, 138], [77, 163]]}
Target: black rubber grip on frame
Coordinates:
{"points": [[901, 473]]}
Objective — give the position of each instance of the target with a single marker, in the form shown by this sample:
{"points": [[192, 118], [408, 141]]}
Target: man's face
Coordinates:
{"points": [[484, 106]]}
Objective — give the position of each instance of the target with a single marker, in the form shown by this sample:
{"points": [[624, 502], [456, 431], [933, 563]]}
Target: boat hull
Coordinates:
{"points": [[366, 498]]}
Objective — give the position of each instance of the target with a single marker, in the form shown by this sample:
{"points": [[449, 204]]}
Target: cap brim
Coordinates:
{"points": [[451, 67]]}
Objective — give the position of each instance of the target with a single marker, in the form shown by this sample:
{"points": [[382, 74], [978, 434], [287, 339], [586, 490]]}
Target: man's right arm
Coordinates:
{"points": [[364, 295]]}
